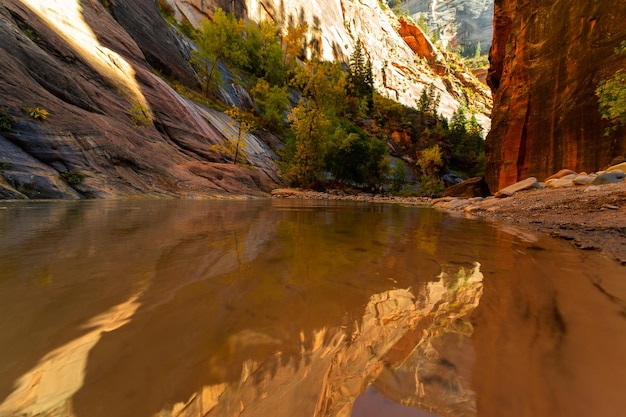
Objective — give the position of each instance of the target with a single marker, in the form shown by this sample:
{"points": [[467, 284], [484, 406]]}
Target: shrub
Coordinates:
{"points": [[4, 166], [431, 185], [399, 177], [37, 113], [430, 161], [31, 34], [6, 122], [72, 177]]}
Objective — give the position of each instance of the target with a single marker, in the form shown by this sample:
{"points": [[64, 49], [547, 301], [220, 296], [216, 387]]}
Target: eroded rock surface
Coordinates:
{"points": [[108, 116], [547, 59]]}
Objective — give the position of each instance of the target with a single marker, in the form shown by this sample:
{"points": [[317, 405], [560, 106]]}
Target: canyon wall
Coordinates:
{"points": [[114, 128], [547, 60]]}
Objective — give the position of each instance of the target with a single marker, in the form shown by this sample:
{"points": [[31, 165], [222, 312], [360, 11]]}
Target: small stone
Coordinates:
{"points": [[610, 207], [471, 209], [592, 188], [457, 204], [443, 200]]}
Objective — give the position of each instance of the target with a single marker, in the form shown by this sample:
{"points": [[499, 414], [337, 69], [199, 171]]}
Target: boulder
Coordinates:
{"points": [[609, 177], [583, 179], [562, 173], [618, 167], [527, 184], [473, 187], [560, 183]]}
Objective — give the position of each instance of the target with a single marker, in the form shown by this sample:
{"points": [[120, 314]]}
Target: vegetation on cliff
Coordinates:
{"points": [[612, 95], [335, 128]]}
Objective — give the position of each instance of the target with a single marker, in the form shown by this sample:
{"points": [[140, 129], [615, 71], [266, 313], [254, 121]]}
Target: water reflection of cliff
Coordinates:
{"points": [[189, 308], [402, 345]]}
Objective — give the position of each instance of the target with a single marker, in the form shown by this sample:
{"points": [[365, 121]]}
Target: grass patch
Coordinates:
{"points": [[140, 116], [4, 166]]}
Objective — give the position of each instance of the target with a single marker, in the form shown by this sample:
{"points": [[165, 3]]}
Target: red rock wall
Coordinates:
{"points": [[417, 41], [547, 59]]}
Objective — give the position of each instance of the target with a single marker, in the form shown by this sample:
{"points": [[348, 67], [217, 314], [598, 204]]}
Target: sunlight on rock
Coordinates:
{"points": [[66, 18], [48, 387]]}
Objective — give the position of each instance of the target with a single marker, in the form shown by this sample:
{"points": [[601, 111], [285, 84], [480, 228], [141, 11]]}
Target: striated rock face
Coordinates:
{"points": [[403, 61], [93, 75], [547, 59], [462, 22]]}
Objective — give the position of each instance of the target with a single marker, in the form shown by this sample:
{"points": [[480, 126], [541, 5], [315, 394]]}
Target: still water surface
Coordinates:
{"points": [[283, 308]]}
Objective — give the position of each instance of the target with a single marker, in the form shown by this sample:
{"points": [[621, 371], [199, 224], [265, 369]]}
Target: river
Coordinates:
{"points": [[300, 308]]}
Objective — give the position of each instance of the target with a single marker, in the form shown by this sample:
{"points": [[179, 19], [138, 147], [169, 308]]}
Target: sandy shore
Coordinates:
{"points": [[591, 219]]}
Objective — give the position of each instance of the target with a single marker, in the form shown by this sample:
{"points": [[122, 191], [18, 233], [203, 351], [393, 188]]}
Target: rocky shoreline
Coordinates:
{"points": [[591, 217]]}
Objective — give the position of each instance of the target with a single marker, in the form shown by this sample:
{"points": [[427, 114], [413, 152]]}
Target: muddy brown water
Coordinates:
{"points": [[300, 308]]}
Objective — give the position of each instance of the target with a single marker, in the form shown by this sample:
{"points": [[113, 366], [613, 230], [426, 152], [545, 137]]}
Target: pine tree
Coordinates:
{"points": [[360, 77]]}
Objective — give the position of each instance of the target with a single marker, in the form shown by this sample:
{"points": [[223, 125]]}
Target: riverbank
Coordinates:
{"points": [[591, 218]]}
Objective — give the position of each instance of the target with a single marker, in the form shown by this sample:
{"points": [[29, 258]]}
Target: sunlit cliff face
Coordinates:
{"points": [[66, 18], [334, 27]]}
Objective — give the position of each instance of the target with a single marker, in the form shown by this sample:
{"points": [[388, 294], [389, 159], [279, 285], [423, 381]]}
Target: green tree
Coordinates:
{"points": [[352, 155], [430, 162], [429, 100], [611, 95], [219, 40], [265, 54], [293, 45], [310, 126], [315, 118], [467, 144], [360, 79], [272, 102], [458, 123], [477, 53], [399, 177]]}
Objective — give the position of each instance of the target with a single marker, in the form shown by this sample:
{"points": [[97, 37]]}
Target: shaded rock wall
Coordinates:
{"points": [[547, 59], [94, 75]]}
